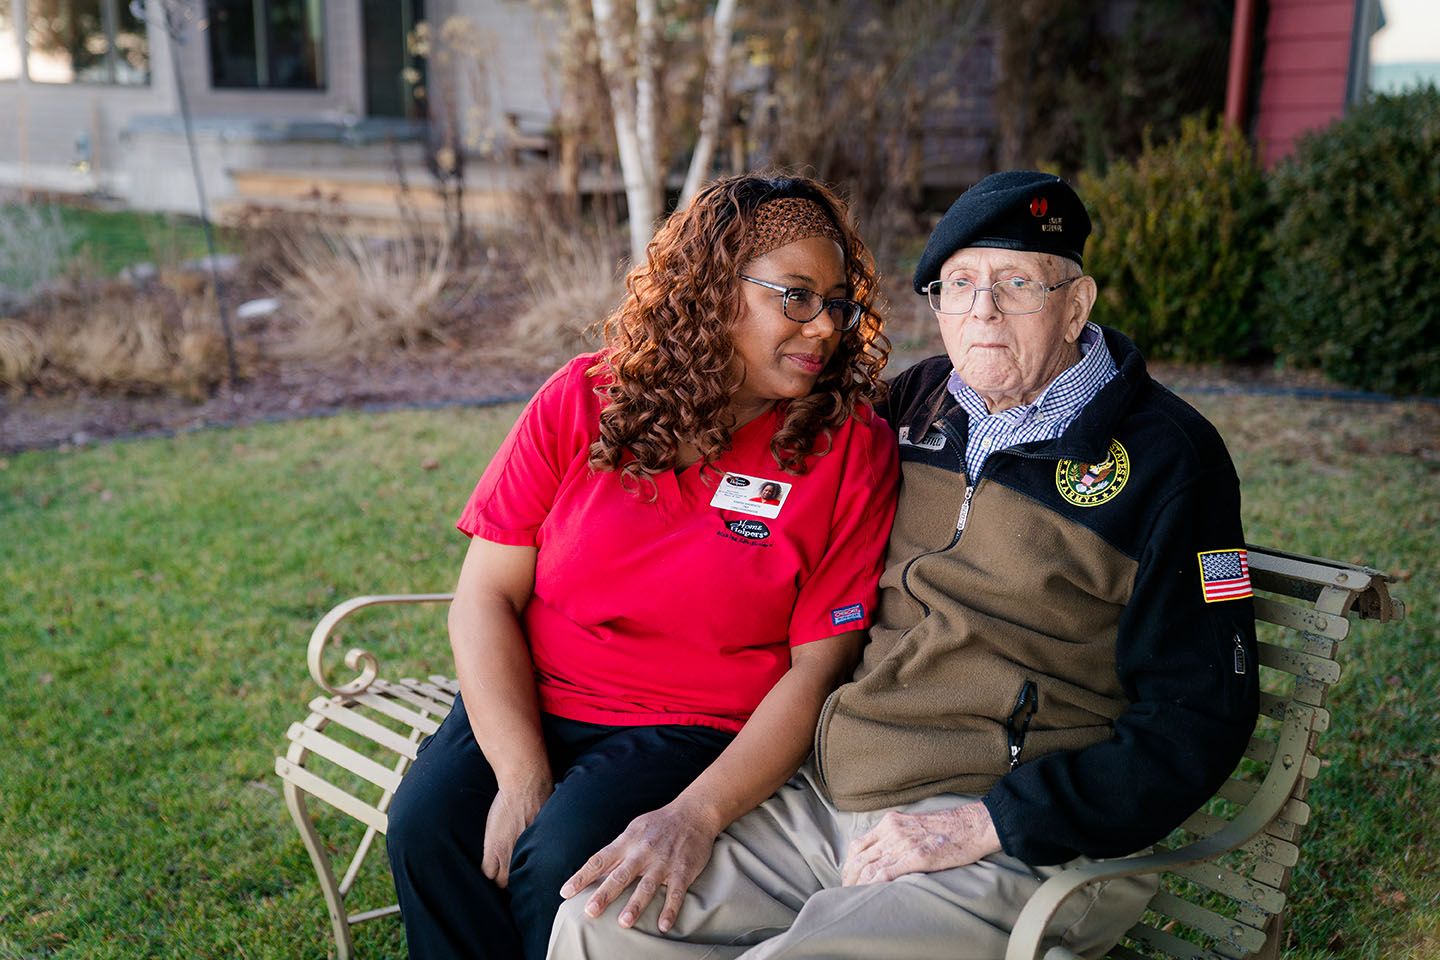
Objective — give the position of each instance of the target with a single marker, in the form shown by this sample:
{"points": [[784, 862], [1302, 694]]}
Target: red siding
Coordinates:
{"points": [[1304, 73]]}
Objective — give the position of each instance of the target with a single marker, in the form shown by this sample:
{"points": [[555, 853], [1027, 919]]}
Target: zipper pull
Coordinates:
{"points": [[964, 510], [1018, 722], [1239, 656]]}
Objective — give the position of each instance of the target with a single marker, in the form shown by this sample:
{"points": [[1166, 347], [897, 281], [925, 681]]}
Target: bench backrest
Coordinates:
{"points": [[1231, 904]]}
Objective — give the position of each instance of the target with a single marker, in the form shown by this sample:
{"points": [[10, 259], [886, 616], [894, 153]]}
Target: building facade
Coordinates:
{"points": [[91, 90]]}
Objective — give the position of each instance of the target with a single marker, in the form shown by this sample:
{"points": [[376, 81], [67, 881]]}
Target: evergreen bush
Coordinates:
{"points": [[1177, 248], [1355, 289]]}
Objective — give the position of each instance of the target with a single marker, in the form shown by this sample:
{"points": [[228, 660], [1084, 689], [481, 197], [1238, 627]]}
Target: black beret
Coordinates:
{"points": [[1015, 210]]}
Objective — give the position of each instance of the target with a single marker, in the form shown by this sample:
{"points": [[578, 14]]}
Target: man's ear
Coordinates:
{"points": [[1082, 299]]}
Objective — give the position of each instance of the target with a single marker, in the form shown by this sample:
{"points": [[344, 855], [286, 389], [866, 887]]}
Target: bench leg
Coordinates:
{"points": [[334, 901]]}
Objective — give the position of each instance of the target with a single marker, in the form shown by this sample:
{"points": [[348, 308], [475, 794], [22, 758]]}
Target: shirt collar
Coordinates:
{"points": [[1062, 397]]}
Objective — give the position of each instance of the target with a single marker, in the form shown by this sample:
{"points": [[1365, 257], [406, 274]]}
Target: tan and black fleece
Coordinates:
{"points": [[1059, 660]]}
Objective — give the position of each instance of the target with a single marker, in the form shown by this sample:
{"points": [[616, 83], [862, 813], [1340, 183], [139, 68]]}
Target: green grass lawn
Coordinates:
{"points": [[156, 598], [113, 240]]}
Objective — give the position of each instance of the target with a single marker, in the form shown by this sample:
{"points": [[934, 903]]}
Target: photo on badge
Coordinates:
{"points": [[756, 496]]}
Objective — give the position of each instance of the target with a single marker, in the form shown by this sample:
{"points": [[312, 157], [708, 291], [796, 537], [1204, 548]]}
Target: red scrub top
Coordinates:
{"points": [[682, 609]]}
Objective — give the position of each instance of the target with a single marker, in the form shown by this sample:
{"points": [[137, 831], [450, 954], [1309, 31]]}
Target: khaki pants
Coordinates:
{"points": [[772, 889]]}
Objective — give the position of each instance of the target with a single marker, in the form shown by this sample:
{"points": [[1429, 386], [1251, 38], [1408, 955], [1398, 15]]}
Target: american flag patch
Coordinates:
{"points": [[1225, 575]]}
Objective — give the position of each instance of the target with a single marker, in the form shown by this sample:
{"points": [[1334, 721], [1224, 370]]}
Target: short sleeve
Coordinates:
{"points": [[840, 593], [518, 488]]}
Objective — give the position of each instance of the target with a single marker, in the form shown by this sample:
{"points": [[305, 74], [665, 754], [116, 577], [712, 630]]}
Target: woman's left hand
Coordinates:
{"points": [[664, 848]]}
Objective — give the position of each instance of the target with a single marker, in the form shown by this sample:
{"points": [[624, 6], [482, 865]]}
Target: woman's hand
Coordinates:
{"points": [[904, 843], [510, 813], [664, 848]]}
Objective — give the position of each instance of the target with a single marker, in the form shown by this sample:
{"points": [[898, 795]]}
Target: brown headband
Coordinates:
{"points": [[782, 221]]}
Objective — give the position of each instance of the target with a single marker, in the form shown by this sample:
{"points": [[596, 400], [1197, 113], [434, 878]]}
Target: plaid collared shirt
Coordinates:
{"points": [[1055, 409]]}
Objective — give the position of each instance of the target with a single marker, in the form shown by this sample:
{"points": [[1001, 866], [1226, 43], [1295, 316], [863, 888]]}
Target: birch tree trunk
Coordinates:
{"points": [[717, 83], [634, 105]]}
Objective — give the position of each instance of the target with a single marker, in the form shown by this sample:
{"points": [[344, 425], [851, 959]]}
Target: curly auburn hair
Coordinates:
{"points": [[670, 353]]}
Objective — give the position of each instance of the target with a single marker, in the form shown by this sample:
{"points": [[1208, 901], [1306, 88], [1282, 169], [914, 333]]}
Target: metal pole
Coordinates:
{"points": [[173, 29]]}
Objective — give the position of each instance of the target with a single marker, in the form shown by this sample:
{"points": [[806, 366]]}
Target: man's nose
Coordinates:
{"points": [[984, 307]]}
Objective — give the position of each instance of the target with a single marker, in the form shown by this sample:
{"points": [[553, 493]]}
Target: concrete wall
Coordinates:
{"points": [[41, 122], [519, 39]]}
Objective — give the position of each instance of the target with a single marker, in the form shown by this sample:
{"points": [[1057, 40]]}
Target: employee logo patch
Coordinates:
{"points": [[1091, 484], [749, 529], [1225, 575], [842, 615]]}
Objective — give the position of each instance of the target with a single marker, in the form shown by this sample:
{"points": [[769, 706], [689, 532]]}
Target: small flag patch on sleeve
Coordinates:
{"points": [[1225, 575], [840, 615]]}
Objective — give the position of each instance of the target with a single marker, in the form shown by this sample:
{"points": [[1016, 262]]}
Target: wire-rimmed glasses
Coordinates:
{"points": [[1013, 297]]}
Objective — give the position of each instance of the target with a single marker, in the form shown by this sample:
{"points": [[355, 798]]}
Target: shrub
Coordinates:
{"points": [[20, 355], [1177, 248], [573, 274], [353, 296], [1355, 290], [114, 338]]}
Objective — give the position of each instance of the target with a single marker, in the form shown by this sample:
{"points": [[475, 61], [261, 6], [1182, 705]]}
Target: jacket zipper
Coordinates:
{"points": [[1239, 656], [1018, 723], [959, 524]]}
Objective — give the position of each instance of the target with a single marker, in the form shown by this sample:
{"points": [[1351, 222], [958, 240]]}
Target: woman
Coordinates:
{"points": [[769, 494], [635, 645]]}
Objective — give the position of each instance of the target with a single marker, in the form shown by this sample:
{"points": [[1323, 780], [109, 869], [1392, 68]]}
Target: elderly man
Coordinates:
{"points": [[1063, 665]]}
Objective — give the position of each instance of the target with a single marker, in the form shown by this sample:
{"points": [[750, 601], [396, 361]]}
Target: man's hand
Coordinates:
{"points": [[904, 843], [664, 848], [510, 813]]}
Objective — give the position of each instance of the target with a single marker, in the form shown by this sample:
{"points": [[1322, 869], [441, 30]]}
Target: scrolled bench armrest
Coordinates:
{"points": [[1265, 806], [355, 658]]}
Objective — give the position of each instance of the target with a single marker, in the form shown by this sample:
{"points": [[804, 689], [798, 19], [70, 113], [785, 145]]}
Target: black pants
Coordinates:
{"points": [[604, 777]]}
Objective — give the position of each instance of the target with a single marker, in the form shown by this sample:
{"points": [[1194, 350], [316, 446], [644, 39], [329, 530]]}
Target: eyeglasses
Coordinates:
{"points": [[1011, 297], [803, 305]]}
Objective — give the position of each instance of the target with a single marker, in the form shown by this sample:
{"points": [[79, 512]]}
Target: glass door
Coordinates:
{"points": [[392, 73]]}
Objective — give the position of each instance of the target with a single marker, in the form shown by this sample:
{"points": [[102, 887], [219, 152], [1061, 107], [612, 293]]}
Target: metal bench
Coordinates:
{"points": [[1226, 870]]}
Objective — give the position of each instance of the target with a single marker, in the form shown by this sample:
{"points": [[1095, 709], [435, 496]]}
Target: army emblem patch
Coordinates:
{"points": [[1091, 484]]}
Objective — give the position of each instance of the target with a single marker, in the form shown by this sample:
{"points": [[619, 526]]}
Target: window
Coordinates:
{"points": [[86, 41], [9, 44], [273, 44]]}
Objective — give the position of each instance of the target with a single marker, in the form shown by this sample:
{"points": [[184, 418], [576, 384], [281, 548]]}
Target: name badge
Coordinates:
{"points": [[756, 496], [933, 440]]}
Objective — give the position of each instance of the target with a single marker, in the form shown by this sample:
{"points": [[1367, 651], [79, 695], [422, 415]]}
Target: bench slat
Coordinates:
{"points": [[394, 711], [1171, 944], [1203, 824], [399, 691], [1326, 625], [364, 726], [331, 794], [1274, 707], [430, 690], [446, 683], [1208, 922], [1295, 811], [1300, 664], [1233, 885], [341, 755]]}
